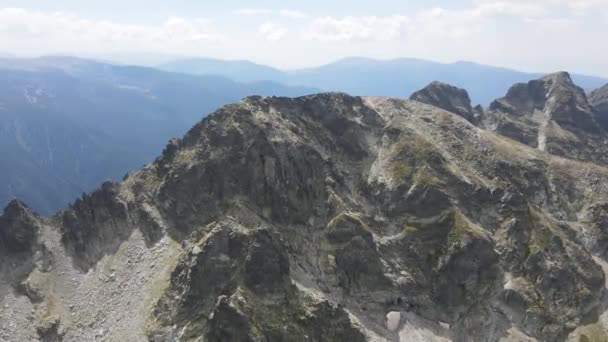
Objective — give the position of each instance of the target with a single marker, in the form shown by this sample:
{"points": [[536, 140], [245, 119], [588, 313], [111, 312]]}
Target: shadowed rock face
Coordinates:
{"points": [[553, 115], [280, 219], [525, 98], [446, 97], [599, 100], [18, 227]]}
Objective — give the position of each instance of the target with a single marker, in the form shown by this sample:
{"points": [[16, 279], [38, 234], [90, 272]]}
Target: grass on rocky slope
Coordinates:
{"points": [[414, 161], [461, 229]]}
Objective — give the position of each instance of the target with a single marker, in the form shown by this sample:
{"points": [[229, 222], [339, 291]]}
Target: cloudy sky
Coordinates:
{"points": [[531, 35]]}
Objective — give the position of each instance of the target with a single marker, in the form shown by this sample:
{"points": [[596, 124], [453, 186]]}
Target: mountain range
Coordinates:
{"points": [[332, 217], [364, 76], [68, 124]]}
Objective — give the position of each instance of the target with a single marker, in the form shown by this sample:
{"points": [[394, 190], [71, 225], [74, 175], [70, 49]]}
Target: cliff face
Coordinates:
{"points": [[279, 219], [553, 115], [447, 97]]}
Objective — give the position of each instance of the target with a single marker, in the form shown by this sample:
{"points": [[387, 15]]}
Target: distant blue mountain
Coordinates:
{"points": [[242, 71], [364, 76]]}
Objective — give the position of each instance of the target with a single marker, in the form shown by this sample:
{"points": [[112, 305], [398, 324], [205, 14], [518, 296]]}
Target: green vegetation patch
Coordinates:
{"points": [[407, 229], [402, 170], [299, 315], [185, 155], [413, 160], [150, 179], [461, 229], [345, 226], [541, 235], [425, 176]]}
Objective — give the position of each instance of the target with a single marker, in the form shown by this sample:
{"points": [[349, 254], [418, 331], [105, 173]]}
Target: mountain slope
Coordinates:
{"points": [[599, 100], [312, 219], [68, 124], [364, 76]]}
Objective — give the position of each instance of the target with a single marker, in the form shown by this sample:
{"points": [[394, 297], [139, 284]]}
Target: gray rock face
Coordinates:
{"points": [[446, 97], [599, 100], [93, 223], [599, 96], [311, 219], [553, 115], [18, 227]]}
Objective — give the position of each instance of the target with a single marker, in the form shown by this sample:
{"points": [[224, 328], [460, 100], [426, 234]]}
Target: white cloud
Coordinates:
{"points": [[254, 11], [272, 32], [327, 29], [460, 23], [545, 5], [494, 8], [439, 22], [293, 14], [584, 5], [551, 24], [287, 13], [451, 23], [66, 31]]}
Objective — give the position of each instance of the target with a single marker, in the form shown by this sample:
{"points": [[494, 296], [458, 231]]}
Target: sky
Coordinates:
{"points": [[528, 35]]}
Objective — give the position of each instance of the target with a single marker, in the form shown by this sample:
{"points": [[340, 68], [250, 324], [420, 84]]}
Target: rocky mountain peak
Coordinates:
{"points": [[551, 114], [448, 97], [567, 103], [555, 95], [18, 227], [559, 77]]}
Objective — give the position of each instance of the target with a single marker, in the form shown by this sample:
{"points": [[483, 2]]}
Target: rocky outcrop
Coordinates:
{"points": [[313, 218], [19, 228], [450, 98], [551, 114], [599, 100], [93, 223], [555, 94], [599, 97]]}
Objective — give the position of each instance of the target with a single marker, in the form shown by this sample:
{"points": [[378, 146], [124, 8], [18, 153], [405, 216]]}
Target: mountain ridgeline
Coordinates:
{"points": [[332, 217], [68, 124], [370, 77]]}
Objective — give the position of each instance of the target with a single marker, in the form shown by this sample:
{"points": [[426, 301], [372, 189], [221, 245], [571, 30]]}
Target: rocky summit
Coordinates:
{"points": [[450, 98], [553, 115], [334, 218]]}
